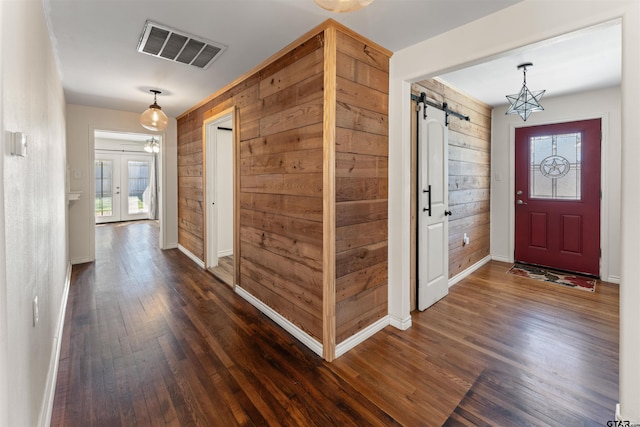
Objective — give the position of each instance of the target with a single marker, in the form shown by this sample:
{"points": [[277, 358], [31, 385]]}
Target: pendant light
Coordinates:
{"points": [[343, 6], [525, 102], [153, 118]]}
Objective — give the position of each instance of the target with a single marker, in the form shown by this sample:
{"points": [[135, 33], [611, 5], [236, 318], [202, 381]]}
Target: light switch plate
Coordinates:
{"points": [[19, 145], [36, 311]]}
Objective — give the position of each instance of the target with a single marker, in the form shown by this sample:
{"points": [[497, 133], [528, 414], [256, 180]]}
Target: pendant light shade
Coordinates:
{"points": [[342, 6], [153, 118], [525, 102]]}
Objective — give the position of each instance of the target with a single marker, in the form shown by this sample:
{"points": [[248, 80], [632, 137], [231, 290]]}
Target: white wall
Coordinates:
{"points": [[33, 220], [489, 37], [81, 123], [224, 186], [603, 104]]}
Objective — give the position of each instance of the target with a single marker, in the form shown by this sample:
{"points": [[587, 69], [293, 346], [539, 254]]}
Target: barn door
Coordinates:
{"points": [[433, 200]]}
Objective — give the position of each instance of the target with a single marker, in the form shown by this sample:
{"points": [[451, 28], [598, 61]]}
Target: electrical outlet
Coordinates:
{"points": [[465, 239], [36, 314]]}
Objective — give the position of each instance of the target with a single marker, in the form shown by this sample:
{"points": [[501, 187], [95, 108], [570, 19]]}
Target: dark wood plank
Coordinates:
{"points": [[152, 339]]}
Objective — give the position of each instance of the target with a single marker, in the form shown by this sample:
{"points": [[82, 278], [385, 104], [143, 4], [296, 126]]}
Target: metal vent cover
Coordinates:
{"points": [[177, 46]]}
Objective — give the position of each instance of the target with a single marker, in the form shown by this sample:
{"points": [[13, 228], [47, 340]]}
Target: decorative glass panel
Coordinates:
{"points": [[104, 188], [138, 185], [555, 167]]}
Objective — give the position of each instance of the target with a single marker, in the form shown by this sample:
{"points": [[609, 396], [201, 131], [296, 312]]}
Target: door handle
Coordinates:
{"points": [[428, 191], [447, 213], [520, 202]]}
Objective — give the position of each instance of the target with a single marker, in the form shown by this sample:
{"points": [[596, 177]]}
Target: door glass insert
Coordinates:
{"points": [[138, 184], [555, 167], [104, 188]]}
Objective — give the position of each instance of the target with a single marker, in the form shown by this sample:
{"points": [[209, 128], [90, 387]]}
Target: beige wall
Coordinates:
{"points": [[81, 122], [604, 104], [33, 222]]}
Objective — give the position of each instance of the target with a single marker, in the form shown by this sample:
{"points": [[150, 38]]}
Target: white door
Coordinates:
{"points": [[433, 196], [122, 185], [219, 189]]}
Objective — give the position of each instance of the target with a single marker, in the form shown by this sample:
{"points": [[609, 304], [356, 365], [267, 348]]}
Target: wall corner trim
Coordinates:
{"points": [[46, 411], [283, 322], [191, 256], [399, 323]]}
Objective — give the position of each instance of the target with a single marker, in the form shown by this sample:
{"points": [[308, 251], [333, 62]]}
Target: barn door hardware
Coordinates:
{"points": [[428, 191], [422, 99]]}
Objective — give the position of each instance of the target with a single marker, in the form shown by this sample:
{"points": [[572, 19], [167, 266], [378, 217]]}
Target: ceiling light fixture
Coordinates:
{"points": [[153, 118], [343, 6], [525, 102], [152, 146]]}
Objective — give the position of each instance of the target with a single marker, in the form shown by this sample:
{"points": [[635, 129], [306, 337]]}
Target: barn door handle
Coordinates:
{"points": [[447, 213], [428, 191]]}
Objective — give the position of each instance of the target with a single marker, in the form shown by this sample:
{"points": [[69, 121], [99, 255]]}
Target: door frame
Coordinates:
{"points": [[207, 125], [604, 183], [92, 189]]}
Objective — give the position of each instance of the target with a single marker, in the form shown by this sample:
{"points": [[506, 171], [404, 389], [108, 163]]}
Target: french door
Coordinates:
{"points": [[557, 182], [122, 186]]}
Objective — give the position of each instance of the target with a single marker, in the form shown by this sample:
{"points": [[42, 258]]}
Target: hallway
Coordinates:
{"points": [[152, 339]]}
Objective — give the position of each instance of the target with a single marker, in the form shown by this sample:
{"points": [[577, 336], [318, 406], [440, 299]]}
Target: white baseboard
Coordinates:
{"points": [[622, 421], [361, 336], [173, 245], [283, 322], [225, 253], [191, 256], [81, 260], [500, 258], [399, 323], [458, 277], [613, 279], [46, 411]]}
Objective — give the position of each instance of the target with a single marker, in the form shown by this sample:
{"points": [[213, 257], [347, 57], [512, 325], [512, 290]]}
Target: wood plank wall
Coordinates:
{"points": [[280, 113], [469, 175], [289, 214], [361, 185]]}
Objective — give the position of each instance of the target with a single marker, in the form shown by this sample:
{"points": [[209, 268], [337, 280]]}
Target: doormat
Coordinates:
{"points": [[571, 280]]}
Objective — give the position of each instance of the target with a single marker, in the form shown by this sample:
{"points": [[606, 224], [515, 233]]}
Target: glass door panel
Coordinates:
{"points": [[122, 187], [137, 186], [107, 182], [104, 185]]}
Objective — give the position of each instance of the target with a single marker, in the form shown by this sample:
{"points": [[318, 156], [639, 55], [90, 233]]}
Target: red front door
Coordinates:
{"points": [[558, 196]]}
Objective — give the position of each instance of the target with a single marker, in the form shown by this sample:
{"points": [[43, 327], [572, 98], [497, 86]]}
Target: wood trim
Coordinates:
{"points": [[329, 23], [329, 197], [235, 119]]}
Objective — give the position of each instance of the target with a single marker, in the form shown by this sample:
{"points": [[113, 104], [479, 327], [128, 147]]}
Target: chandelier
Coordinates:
{"points": [[152, 146], [525, 102]]}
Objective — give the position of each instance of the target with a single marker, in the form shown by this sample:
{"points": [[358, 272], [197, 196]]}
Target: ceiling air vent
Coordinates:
{"points": [[178, 46]]}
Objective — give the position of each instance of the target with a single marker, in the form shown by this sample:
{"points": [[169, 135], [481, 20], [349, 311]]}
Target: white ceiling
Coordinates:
{"points": [[95, 43], [584, 60]]}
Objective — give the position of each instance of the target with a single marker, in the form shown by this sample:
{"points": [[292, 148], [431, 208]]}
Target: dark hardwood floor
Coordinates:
{"points": [[151, 339]]}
